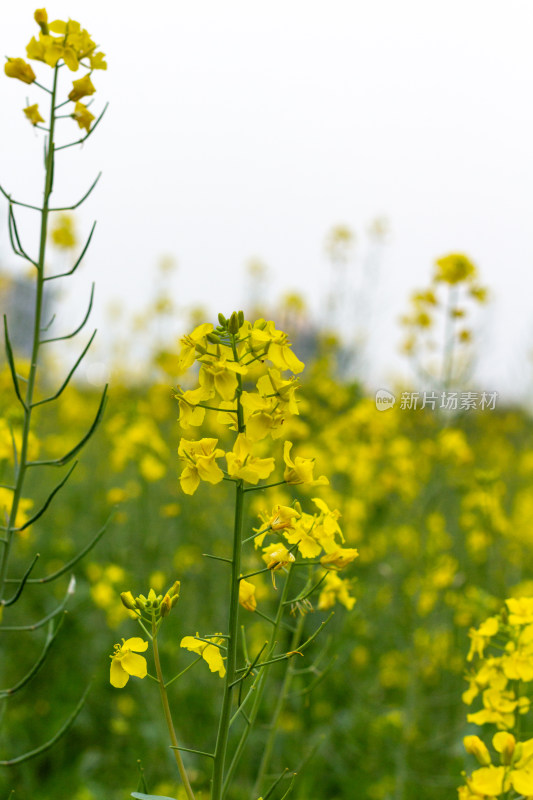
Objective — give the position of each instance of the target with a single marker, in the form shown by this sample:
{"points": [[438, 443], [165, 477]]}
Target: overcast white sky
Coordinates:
{"points": [[239, 128]]}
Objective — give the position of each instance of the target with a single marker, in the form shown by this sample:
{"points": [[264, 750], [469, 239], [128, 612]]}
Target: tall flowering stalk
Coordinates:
{"points": [[449, 308], [241, 380], [59, 44]]}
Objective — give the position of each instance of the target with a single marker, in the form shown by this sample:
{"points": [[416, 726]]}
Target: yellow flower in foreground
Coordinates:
{"points": [[199, 457], [247, 595], [32, 113], [283, 517], [276, 556], [18, 68], [491, 781], [242, 464], [209, 652], [81, 88], [83, 116], [476, 747], [301, 469], [126, 662]]}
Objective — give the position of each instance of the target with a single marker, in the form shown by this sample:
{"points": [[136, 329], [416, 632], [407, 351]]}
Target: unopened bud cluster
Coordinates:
{"points": [[157, 605]]}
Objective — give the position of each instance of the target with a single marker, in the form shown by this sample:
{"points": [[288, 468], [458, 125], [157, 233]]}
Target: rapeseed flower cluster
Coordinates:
{"points": [[502, 647], [444, 306], [241, 377], [58, 43]]}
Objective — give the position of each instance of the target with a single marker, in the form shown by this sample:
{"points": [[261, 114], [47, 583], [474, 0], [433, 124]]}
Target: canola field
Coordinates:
{"points": [[237, 573]]}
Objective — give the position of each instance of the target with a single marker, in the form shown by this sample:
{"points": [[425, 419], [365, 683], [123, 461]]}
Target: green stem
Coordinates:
{"points": [[217, 790], [273, 727], [449, 339], [20, 470], [231, 664], [168, 715], [260, 685]]}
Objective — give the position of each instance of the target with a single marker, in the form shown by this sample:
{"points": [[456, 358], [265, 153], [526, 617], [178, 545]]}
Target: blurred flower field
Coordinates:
{"points": [[439, 508], [353, 619]]}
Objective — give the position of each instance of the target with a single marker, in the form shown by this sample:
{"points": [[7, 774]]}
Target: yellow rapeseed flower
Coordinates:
{"points": [[83, 116], [242, 464], [209, 652], [32, 113], [125, 661], [247, 595], [301, 469], [81, 88], [18, 68]]}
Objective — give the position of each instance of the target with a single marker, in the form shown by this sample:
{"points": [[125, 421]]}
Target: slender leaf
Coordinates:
{"points": [[11, 362], [60, 462]]}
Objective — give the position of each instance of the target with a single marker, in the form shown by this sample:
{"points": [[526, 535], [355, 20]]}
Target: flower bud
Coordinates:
{"points": [[233, 323], [41, 18], [476, 747], [222, 319], [174, 590], [128, 601], [166, 606]]}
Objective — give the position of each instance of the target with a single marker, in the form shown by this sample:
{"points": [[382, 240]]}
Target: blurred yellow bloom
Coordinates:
{"points": [[83, 116], [32, 113], [18, 68], [81, 88], [63, 233], [126, 662], [481, 636], [335, 589], [491, 781], [209, 652], [504, 743], [339, 559], [476, 747], [454, 268], [40, 16], [520, 610], [247, 595]]}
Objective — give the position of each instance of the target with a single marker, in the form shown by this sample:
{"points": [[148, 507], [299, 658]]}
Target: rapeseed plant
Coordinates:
{"points": [[59, 44], [241, 367]]}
